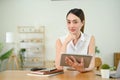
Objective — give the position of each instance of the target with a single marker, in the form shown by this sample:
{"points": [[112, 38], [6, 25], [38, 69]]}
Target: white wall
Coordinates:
{"points": [[102, 20]]}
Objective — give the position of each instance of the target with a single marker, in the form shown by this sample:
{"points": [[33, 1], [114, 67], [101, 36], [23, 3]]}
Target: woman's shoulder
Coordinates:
{"points": [[88, 37]]}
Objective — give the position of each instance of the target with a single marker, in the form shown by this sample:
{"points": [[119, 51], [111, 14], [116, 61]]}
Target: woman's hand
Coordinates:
{"points": [[79, 66], [69, 38]]}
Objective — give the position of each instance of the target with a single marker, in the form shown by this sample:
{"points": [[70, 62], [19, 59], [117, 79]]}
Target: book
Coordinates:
{"points": [[46, 72]]}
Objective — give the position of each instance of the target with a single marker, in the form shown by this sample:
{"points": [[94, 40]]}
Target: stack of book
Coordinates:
{"points": [[46, 72]]}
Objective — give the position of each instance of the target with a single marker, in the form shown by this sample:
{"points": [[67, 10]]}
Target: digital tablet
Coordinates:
{"points": [[86, 58]]}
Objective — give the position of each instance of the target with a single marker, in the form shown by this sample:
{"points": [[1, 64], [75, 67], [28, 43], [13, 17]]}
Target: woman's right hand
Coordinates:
{"points": [[69, 38], [79, 66]]}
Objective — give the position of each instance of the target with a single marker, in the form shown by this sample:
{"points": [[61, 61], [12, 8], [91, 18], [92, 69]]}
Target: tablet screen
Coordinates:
{"points": [[87, 59]]}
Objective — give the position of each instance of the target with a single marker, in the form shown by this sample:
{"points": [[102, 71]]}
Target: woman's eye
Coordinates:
{"points": [[68, 22], [75, 22]]}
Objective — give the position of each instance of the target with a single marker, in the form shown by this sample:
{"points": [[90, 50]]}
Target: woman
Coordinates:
{"points": [[75, 42]]}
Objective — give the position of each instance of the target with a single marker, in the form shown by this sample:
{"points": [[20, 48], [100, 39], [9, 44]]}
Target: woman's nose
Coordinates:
{"points": [[71, 25]]}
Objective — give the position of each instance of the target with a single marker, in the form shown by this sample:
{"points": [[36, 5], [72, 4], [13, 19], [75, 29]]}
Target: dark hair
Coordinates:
{"points": [[79, 13]]}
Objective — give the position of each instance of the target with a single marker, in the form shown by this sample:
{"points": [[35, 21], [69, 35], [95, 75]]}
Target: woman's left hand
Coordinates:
{"points": [[79, 66]]}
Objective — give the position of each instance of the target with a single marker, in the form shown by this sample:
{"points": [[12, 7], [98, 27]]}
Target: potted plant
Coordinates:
{"points": [[22, 55], [97, 50], [5, 55], [1, 47], [105, 71]]}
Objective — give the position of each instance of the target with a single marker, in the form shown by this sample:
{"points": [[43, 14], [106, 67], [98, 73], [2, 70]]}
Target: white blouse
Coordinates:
{"points": [[81, 46]]}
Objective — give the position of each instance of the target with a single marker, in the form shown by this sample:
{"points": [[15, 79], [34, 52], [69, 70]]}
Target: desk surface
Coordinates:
{"points": [[67, 75]]}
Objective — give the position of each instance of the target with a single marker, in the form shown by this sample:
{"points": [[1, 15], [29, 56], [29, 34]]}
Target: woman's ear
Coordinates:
{"points": [[83, 22]]}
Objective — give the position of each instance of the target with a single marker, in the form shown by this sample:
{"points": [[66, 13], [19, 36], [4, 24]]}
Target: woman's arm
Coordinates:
{"points": [[80, 66], [58, 55], [61, 48], [91, 51]]}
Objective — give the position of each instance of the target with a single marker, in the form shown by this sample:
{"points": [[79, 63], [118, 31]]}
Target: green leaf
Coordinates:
{"points": [[105, 66], [1, 46], [6, 55], [97, 50]]}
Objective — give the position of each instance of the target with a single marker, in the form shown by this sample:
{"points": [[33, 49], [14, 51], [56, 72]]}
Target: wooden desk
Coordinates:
{"points": [[68, 75]]}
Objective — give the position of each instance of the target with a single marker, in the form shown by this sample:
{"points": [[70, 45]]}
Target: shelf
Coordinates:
{"points": [[32, 39], [30, 29]]}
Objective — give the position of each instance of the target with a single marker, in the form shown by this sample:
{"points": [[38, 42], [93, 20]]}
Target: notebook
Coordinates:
{"points": [[45, 72], [87, 59]]}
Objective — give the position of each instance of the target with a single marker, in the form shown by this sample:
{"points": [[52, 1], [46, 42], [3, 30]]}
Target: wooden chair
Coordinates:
{"points": [[98, 63]]}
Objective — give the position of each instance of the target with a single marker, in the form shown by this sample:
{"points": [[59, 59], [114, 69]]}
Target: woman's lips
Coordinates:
{"points": [[72, 30]]}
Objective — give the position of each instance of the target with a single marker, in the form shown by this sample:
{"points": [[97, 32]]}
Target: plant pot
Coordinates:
{"points": [[105, 73]]}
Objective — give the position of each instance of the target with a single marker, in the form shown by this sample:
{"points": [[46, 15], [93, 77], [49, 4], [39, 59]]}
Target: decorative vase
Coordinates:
{"points": [[105, 73]]}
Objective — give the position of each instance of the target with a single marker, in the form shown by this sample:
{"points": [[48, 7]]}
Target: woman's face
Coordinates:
{"points": [[74, 23]]}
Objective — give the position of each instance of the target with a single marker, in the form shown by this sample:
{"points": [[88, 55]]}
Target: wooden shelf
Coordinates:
{"points": [[33, 40]]}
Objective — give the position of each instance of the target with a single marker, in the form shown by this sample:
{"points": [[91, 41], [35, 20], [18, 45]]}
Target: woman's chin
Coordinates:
{"points": [[73, 33]]}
